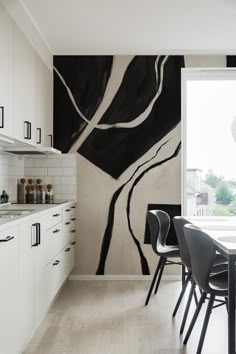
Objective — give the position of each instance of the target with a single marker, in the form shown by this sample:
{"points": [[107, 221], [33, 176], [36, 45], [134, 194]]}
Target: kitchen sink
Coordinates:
{"points": [[12, 213]]}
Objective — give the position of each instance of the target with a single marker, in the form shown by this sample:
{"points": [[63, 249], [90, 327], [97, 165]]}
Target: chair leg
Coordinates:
{"points": [[161, 260], [187, 307], [183, 275], [181, 295], [160, 275], [205, 323], [195, 316], [195, 297]]}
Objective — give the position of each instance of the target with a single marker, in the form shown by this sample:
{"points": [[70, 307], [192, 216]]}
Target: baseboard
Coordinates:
{"points": [[122, 277]]}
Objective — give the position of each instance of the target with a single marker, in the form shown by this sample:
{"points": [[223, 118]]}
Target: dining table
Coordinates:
{"points": [[223, 232]]}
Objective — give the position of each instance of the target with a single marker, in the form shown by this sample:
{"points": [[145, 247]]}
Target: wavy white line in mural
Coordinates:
{"points": [[119, 67], [142, 117], [136, 121], [71, 95]]}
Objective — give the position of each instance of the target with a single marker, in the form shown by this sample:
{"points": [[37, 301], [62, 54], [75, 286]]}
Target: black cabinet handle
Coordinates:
{"points": [[73, 243], [56, 262], [8, 238], [26, 125], [67, 223], [51, 142], [38, 234], [29, 129], [73, 207], [67, 209], [73, 231], [55, 215], [2, 117], [73, 219], [67, 249], [55, 231], [39, 135], [35, 243]]}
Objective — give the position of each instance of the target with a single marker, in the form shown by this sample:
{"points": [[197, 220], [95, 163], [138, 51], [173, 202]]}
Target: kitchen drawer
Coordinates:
{"points": [[69, 257], [53, 242], [56, 276], [69, 212], [69, 230], [53, 218]]}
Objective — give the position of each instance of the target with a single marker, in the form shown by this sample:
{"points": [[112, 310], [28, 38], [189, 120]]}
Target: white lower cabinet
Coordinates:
{"points": [[9, 271], [35, 260], [29, 246]]}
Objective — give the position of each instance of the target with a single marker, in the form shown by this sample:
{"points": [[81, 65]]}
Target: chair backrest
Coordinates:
{"points": [[159, 224], [202, 253], [179, 223]]}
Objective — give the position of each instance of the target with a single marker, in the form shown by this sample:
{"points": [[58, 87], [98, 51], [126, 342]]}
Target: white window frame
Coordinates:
{"points": [[195, 74]]}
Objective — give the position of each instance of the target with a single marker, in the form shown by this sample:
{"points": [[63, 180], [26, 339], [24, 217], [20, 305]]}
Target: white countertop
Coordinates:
{"points": [[37, 209]]}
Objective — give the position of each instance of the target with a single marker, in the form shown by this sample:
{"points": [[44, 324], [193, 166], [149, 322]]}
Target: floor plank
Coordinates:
{"points": [[108, 317]]}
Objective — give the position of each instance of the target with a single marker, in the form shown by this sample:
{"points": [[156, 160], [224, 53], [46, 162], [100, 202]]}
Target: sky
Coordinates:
{"points": [[211, 109]]}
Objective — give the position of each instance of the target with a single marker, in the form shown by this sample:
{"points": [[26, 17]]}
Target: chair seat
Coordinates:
{"points": [[168, 251], [219, 283]]}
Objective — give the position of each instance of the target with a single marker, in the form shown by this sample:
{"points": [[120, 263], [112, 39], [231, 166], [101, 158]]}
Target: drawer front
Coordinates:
{"points": [[69, 212], [54, 217], [69, 256], [53, 242], [55, 275], [69, 231]]}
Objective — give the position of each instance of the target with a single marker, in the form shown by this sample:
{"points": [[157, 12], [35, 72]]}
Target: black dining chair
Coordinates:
{"points": [[202, 256], [219, 265], [159, 225]]}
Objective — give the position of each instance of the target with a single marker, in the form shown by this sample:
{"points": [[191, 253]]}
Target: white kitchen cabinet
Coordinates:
{"points": [[28, 246], [9, 296], [6, 73], [24, 89], [34, 263], [44, 101]]}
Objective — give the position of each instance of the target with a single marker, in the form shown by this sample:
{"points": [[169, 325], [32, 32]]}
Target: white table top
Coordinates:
{"points": [[221, 229]]}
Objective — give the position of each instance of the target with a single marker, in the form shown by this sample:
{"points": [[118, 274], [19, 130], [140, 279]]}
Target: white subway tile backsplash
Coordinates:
{"points": [[68, 180], [47, 163], [70, 162], [57, 171], [35, 171], [68, 171], [67, 189]]}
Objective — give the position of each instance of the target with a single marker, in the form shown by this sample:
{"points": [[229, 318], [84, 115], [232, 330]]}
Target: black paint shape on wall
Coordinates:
{"points": [[108, 231], [114, 150], [136, 91], [231, 61], [87, 78], [68, 125], [172, 210]]}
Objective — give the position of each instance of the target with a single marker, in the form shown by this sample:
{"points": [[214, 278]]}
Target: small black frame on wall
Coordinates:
{"points": [[172, 210]]}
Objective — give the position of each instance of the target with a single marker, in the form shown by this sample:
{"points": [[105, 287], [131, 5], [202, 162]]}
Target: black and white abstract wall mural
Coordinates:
{"points": [[121, 115]]}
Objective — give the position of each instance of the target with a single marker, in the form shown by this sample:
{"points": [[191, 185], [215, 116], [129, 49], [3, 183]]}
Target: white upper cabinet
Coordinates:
{"points": [[24, 89], [6, 73], [44, 104]]}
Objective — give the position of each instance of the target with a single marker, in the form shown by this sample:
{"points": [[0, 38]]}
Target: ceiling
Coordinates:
{"points": [[135, 26]]}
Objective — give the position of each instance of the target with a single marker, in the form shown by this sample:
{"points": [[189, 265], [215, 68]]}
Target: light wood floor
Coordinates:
{"points": [[108, 317]]}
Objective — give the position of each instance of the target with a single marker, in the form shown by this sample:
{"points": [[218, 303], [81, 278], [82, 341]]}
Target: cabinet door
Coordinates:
{"points": [[6, 73], [44, 104], [24, 89], [9, 299], [27, 249], [41, 282]]}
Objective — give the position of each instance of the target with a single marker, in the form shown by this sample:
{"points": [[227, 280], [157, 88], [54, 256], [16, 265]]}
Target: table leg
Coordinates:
{"points": [[231, 305]]}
